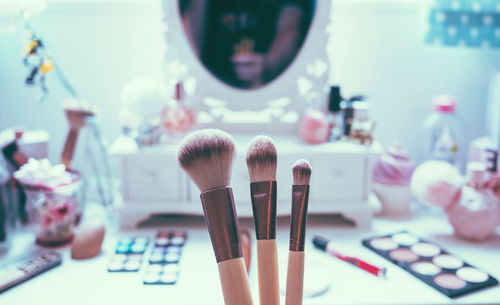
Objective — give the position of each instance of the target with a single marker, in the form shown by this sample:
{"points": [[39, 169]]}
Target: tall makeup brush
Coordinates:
{"points": [[207, 157], [76, 120], [261, 162], [300, 196]]}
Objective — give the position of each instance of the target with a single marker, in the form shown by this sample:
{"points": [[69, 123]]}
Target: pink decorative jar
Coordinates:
{"points": [[314, 127], [391, 180], [475, 217]]}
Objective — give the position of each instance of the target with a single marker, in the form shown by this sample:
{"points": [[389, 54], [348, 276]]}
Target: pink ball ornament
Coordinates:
{"points": [[436, 183]]}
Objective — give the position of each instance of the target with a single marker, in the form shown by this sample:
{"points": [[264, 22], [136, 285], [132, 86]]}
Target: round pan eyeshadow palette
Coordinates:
{"points": [[430, 263], [164, 260]]}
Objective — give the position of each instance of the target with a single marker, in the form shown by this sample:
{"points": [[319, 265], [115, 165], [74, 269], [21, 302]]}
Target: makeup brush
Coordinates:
{"points": [[76, 120], [300, 196], [261, 162], [207, 157]]}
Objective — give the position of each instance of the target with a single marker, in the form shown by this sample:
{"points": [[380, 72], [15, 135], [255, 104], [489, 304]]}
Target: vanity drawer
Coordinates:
{"points": [[338, 177], [152, 178]]}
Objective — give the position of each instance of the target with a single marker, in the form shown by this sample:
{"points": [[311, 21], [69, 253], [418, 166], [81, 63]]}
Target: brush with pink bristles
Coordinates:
{"points": [[300, 197], [207, 157]]}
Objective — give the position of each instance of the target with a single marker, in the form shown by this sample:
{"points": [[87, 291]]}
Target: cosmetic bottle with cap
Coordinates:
{"points": [[360, 115], [475, 216], [361, 130], [347, 107], [335, 117], [443, 131]]}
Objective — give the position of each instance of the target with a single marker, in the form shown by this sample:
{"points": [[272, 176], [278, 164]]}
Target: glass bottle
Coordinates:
{"points": [[335, 118], [347, 106], [443, 131], [178, 117]]}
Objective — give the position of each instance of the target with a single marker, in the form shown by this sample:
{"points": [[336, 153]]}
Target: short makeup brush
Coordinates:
{"points": [[300, 196], [207, 157], [261, 161]]}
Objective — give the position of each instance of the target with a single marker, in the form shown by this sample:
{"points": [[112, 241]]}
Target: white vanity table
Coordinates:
{"points": [[88, 282], [253, 76], [153, 183]]}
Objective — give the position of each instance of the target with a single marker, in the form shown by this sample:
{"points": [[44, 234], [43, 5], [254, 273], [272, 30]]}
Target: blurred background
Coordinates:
{"points": [[377, 48]]}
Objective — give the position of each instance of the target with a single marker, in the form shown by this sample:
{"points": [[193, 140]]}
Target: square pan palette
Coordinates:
{"points": [[430, 263]]}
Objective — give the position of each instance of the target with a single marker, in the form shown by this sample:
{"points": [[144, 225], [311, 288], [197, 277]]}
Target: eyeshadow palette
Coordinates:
{"points": [[129, 252], [430, 263], [164, 260]]}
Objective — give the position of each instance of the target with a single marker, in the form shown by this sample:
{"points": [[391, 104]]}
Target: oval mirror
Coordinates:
{"points": [[246, 43]]}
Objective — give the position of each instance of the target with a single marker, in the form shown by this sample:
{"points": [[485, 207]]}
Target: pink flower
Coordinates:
{"points": [[61, 211], [46, 220]]}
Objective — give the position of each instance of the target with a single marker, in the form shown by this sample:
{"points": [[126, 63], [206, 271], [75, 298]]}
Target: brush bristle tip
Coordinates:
{"points": [[301, 172], [207, 156], [261, 159]]}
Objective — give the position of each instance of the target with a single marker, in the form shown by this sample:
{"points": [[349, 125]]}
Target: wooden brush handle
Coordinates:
{"points": [[234, 281], [69, 147], [267, 256], [295, 278], [246, 247]]}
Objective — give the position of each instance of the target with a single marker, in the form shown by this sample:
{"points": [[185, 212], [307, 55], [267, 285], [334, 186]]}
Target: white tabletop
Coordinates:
{"points": [[88, 282]]}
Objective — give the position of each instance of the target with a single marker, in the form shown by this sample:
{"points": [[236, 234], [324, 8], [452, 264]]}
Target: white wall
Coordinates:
{"points": [[377, 51], [380, 53]]}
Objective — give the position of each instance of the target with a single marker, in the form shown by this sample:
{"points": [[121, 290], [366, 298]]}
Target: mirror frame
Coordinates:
{"points": [[273, 108]]}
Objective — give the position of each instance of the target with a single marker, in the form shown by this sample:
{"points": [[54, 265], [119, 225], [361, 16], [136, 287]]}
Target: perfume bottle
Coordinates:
{"points": [[347, 106], [361, 130], [475, 216], [314, 127], [177, 116], [335, 117]]}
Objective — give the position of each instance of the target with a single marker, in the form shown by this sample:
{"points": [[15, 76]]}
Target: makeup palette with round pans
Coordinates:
{"points": [[430, 263]]}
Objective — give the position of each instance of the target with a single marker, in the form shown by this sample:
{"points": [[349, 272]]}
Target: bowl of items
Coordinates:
{"points": [[391, 178], [54, 200]]}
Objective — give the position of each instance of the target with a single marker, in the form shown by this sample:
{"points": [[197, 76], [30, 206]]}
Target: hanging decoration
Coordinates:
{"points": [[40, 64]]}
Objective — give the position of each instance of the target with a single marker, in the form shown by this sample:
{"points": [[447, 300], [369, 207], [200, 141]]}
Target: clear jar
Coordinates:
{"points": [[55, 213]]}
